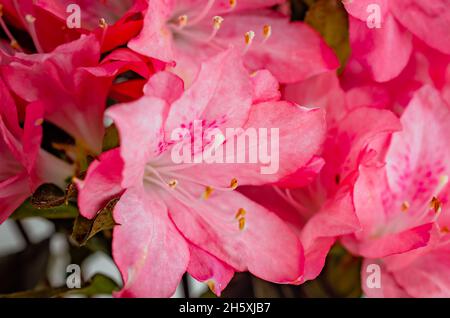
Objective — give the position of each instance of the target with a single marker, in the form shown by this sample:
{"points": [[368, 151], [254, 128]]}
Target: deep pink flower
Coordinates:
{"points": [[113, 22], [384, 52], [122, 19], [187, 32], [402, 205], [24, 165], [71, 84], [175, 217]]}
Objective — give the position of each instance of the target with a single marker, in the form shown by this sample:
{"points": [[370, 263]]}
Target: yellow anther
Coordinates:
{"points": [[217, 22], [267, 31], [405, 206], [249, 37], [182, 20], [102, 23], [207, 193], [173, 183], [30, 18], [233, 184], [233, 4], [211, 285], [15, 45], [38, 121], [445, 230], [240, 213], [436, 204], [241, 223]]}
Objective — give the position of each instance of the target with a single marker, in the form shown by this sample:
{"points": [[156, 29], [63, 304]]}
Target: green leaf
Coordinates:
{"points": [[48, 195], [99, 285], [111, 138], [84, 229], [26, 210], [330, 19]]}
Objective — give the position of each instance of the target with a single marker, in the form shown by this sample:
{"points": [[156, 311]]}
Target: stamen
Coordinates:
{"points": [[14, 44], [182, 21], [233, 184], [240, 214], [241, 224], [405, 206], [445, 230], [217, 22], [233, 4], [30, 18], [249, 36], [32, 30], [39, 122], [436, 205], [173, 183], [267, 32], [211, 285], [104, 25], [207, 193]]}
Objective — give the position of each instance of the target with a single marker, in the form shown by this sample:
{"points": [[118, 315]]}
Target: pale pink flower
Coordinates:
{"points": [[176, 217]]}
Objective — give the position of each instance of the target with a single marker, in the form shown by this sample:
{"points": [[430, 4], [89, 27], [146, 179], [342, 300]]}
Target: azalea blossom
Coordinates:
{"points": [[401, 203], [317, 201], [188, 32], [174, 217], [382, 33], [75, 88], [24, 165]]}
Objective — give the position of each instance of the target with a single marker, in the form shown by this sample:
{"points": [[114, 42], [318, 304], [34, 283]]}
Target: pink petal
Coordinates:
{"points": [[361, 8], [265, 246], [166, 86], [221, 95], [149, 251], [265, 86], [140, 127], [389, 287], [420, 18], [384, 52], [336, 217], [13, 192], [418, 158], [206, 268], [155, 39], [101, 184]]}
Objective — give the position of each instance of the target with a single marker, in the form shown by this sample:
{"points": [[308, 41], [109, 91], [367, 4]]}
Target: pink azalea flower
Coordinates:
{"points": [[318, 202], [385, 50], [71, 84], [400, 202], [189, 31], [24, 165], [185, 217]]}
